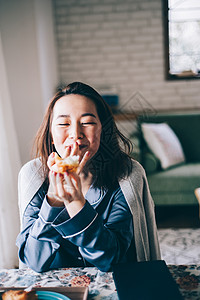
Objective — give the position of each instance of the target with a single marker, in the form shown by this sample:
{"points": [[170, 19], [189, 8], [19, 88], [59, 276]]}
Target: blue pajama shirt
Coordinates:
{"points": [[100, 234]]}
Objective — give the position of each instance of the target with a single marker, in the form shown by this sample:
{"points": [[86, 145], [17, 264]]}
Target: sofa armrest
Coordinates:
{"points": [[150, 163]]}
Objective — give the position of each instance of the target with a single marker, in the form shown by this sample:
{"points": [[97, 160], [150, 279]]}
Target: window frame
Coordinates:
{"points": [[168, 75]]}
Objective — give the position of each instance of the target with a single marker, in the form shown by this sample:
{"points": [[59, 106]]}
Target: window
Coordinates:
{"points": [[182, 38]]}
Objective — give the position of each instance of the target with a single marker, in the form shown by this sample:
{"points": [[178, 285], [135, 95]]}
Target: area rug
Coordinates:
{"points": [[180, 246]]}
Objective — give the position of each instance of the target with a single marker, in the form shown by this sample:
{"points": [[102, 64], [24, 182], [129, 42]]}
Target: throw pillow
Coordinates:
{"points": [[164, 143]]}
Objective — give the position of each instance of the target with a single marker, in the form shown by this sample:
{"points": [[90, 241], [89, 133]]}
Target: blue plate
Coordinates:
{"points": [[46, 295]]}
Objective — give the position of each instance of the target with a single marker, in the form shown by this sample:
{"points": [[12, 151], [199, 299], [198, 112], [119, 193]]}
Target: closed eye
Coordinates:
{"points": [[64, 124], [88, 123]]}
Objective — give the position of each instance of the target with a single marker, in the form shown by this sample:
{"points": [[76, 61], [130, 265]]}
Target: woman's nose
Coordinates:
{"points": [[75, 132]]}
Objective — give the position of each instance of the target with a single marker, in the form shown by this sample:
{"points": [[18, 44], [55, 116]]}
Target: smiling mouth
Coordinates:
{"points": [[82, 147]]}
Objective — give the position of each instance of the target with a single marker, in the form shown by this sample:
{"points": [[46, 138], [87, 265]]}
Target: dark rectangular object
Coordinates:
{"points": [[150, 280]]}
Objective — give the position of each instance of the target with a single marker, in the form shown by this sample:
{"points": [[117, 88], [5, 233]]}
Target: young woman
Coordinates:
{"points": [[100, 215]]}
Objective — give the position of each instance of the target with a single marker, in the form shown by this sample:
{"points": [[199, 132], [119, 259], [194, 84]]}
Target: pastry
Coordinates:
{"points": [[19, 295], [68, 164]]}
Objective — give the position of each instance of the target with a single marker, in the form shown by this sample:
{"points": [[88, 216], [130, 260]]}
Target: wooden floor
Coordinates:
{"points": [[178, 216]]}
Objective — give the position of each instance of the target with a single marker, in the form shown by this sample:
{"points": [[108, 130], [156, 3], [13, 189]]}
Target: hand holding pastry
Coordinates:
{"points": [[64, 180], [71, 161]]}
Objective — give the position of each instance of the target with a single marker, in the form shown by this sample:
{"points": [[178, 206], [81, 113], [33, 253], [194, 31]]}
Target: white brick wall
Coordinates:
{"points": [[119, 44]]}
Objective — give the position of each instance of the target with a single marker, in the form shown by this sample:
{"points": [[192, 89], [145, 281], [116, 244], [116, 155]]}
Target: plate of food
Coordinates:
{"points": [[45, 293], [33, 295]]}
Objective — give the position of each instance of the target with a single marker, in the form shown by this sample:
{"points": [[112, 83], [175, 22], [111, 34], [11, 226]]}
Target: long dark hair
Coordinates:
{"points": [[112, 161]]}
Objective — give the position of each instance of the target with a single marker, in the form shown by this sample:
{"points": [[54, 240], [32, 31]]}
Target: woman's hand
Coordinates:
{"points": [[66, 189]]}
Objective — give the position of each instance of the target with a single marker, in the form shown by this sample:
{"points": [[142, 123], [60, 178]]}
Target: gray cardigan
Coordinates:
{"points": [[136, 192]]}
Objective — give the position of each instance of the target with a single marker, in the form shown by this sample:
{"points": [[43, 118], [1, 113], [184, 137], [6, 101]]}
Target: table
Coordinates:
{"points": [[101, 284]]}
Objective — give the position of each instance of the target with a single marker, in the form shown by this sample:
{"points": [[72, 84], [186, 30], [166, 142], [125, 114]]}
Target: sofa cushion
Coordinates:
{"points": [[186, 126], [174, 199], [183, 178], [164, 143]]}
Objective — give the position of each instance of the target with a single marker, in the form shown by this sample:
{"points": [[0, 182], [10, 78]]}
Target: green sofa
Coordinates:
{"points": [[176, 185]]}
